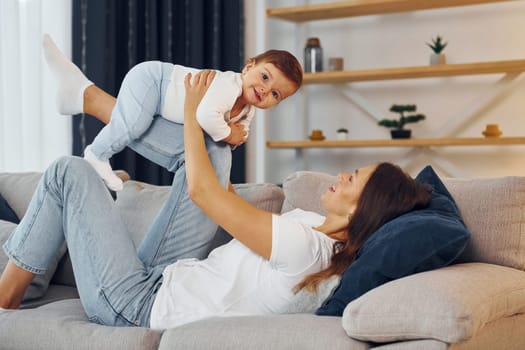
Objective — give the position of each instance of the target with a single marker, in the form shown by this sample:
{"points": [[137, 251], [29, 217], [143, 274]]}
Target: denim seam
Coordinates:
{"points": [[170, 223], [14, 258]]}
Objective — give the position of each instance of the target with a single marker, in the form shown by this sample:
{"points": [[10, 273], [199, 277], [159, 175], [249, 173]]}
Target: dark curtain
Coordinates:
{"points": [[111, 36]]}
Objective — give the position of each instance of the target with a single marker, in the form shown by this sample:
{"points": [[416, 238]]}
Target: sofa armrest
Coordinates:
{"points": [[450, 304]]}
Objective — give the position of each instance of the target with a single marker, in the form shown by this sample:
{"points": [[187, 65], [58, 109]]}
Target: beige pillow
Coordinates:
{"points": [[493, 212], [450, 304], [18, 188], [303, 189]]}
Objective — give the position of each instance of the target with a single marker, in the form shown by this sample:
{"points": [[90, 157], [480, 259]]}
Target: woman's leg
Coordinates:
{"points": [[72, 203], [13, 284], [76, 93], [98, 103], [181, 229]]}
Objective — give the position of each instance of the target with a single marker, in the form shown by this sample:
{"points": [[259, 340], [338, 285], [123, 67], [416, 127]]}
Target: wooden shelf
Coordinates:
{"points": [[356, 8], [432, 142], [431, 71]]}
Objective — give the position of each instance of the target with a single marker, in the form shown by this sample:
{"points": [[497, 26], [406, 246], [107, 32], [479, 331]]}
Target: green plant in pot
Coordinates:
{"points": [[398, 125], [437, 46]]}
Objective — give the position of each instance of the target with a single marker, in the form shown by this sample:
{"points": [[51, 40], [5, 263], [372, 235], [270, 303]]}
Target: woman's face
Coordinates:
{"points": [[342, 197]]}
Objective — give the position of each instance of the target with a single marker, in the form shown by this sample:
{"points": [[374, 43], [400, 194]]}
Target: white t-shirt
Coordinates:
{"points": [[213, 113], [234, 280]]}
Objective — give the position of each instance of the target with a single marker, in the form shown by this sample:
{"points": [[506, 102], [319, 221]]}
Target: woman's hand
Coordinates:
{"points": [[195, 91]]}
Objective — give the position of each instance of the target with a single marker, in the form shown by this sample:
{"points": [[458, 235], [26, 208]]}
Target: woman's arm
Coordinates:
{"points": [[251, 226]]}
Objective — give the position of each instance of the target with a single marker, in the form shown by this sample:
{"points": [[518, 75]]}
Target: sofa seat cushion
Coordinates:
{"points": [[63, 326], [417, 241], [450, 304], [279, 332], [493, 211]]}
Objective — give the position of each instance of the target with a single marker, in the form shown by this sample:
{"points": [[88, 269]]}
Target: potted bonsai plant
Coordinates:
{"points": [[437, 46], [398, 125]]}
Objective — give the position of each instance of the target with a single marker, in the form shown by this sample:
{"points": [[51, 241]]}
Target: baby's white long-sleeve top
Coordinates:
{"points": [[213, 113]]}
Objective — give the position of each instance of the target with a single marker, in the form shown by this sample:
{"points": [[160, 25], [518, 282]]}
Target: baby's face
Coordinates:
{"points": [[264, 86]]}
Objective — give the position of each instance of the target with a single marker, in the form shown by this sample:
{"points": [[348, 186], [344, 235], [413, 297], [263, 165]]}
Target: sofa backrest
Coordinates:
{"points": [[493, 210], [139, 203]]}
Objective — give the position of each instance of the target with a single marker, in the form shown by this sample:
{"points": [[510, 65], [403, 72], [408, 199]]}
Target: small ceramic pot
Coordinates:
{"points": [[400, 133], [437, 58]]}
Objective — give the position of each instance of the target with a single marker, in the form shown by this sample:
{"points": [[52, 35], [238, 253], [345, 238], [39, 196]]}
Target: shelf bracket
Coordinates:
{"points": [[482, 104]]}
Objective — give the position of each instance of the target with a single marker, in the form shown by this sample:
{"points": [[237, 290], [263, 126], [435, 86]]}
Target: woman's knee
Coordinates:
{"points": [[70, 167]]}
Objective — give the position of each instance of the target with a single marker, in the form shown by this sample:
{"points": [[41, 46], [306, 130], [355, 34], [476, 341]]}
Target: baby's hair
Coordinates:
{"points": [[285, 62]]}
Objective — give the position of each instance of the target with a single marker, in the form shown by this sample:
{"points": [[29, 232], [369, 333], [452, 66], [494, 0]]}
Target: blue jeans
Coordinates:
{"points": [[117, 285], [140, 98]]}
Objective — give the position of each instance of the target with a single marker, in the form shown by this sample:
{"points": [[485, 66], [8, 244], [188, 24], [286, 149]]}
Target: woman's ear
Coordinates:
{"points": [[249, 65]]}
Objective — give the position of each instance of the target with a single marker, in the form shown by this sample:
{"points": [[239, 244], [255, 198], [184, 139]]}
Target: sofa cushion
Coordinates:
{"points": [[450, 304], [18, 188], [63, 326], [303, 189], [493, 211], [417, 241], [277, 332], [6, 213], [140, 202]]}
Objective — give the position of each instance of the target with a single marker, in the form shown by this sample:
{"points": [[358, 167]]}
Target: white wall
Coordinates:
{"points": [[488, 32]]}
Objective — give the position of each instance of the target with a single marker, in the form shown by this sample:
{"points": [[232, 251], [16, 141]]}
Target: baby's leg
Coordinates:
{"points": [[139, 99], [71, 81]]}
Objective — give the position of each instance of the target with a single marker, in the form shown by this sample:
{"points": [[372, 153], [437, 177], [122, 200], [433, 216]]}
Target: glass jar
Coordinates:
{"points": [[313, 56]]}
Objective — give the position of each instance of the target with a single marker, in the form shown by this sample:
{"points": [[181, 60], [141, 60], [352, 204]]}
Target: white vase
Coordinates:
{"points": [[341, 136], [438, 58]]}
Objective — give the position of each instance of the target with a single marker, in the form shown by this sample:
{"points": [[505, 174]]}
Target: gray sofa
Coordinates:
{"points": [[477, 303]]}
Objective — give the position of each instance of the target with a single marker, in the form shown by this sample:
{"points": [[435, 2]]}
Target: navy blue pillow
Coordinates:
{"points": [[417, 241], [6, 213]]}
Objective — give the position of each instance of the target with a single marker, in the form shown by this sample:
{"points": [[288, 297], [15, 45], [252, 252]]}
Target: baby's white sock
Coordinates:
{"points": [[71, 81], [103, 168]]}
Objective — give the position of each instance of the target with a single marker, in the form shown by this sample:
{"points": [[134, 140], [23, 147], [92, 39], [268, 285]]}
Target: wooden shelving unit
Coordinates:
{"points": [[356, 8], [431, 142], [445, 70]]}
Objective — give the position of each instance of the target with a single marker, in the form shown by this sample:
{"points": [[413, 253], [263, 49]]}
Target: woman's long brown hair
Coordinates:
{"points": [[389, 193]]}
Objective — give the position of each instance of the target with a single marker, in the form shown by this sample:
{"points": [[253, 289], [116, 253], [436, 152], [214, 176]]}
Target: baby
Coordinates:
{"points": [[157, 88]]}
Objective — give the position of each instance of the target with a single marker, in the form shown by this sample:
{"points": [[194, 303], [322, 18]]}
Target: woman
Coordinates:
{"points": [[256, 273]]}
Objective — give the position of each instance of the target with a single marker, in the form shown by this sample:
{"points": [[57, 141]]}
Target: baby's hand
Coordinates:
{"points": [[237, 135]]}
